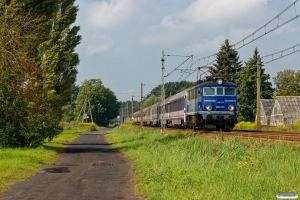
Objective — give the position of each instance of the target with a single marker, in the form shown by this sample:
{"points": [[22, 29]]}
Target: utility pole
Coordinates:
{"points": [[162, 104], [86, 100], [127, 112], [258, 95], [90, 108], [81, 110], [84, 113], [132, 108], [141, 105], [123, 113]]}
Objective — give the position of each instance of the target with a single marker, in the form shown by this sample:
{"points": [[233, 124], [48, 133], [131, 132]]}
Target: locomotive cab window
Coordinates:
{"points": [[209, 91], [230, 91], [220, 91]]}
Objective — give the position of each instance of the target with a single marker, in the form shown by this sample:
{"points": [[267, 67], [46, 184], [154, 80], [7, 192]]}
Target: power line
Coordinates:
{"points": [[177, 55], [185, 70], [281, 53], [265, 26], [253, 34], [179, 65]]}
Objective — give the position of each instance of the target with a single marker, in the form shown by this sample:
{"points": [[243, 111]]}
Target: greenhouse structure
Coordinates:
{"points": [[266, 107], [283, 110]]}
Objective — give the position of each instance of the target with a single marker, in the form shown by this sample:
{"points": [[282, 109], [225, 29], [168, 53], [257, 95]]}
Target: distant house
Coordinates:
{"points": [[286, 110]]}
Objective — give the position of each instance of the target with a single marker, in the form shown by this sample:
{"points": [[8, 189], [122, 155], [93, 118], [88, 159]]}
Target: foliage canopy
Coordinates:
{"points": [[103, 102], [37, 68], [287, 83]]}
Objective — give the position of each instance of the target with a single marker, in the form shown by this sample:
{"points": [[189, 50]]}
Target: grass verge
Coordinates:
{"points": [[183, 166], [19, 164]]}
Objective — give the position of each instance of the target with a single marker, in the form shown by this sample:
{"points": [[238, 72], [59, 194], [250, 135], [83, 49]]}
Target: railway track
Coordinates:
{"points": [[266, 135]]}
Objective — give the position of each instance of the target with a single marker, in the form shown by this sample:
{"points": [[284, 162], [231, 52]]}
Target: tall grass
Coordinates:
{"points": [[179, 166]]}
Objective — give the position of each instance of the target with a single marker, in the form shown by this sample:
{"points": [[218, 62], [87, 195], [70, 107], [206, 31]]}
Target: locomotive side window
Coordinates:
{"points": [[192, 94], [220, 91], [229, 91], [209, 91]]}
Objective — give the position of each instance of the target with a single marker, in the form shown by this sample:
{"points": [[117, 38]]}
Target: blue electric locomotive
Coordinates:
{"points": [[212, 104]]}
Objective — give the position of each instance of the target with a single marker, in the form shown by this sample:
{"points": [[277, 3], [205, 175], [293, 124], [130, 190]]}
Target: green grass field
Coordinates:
{"points": [[19, 164], [183, 166]]}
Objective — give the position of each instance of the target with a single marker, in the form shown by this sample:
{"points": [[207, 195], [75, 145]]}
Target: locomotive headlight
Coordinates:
{"points": [[219, 81], [231, 108], [209, 107]]}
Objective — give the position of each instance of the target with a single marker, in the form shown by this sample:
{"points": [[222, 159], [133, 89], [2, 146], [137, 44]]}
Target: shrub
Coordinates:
{"points": [[297, 126], [245, 126], [282, 128], [93, 128]]}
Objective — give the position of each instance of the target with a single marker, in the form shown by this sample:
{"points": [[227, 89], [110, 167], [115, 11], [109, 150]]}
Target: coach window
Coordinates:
{"points": [[220, 91]]}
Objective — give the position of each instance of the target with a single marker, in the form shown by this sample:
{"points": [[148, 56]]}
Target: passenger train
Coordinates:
{"points": [[209, 105]]}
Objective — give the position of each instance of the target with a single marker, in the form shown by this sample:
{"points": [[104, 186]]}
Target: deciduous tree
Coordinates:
{"points": [[104, 104], [287, 83]]}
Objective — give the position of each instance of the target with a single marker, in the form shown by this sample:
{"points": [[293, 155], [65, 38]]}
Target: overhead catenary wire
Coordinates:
{"points": [[208, 58], [281, 52], [179, 65], [265, 33], [265, 26], [259, 29]]}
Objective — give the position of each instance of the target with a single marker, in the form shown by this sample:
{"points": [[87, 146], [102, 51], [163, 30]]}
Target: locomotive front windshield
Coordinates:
{"points": [[219, 91]]}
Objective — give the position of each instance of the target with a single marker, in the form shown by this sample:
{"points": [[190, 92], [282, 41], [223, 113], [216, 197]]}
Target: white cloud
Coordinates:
{"points": [[99, 45], [199, 17], [218, 12], [106, 14], [205, 45]]}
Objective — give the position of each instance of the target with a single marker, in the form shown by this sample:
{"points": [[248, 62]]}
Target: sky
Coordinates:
{"points": [[123, 40]]}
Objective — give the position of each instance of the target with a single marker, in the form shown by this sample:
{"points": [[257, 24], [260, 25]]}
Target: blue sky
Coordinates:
{"points": [[122, 40]]}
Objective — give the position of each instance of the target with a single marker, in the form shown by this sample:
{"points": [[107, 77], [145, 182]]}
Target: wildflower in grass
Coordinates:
{"points": [[248, 162]]}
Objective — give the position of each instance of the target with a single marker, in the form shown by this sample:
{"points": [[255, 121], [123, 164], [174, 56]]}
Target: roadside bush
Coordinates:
{"points": [[87, 125], [28, 131], [70, 125], [93, 128]]}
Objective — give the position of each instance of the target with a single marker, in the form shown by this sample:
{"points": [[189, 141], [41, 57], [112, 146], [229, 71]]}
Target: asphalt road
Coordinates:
{"points": [[89, 169]]}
